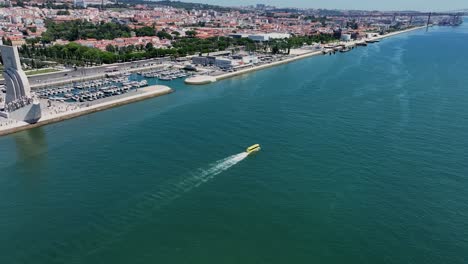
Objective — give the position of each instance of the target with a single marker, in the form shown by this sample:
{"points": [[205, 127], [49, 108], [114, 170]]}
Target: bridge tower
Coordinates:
{"points": [[428, 21]]}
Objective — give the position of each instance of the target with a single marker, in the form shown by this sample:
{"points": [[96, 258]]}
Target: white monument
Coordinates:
{"points": [[19, 103], [16, 82]]}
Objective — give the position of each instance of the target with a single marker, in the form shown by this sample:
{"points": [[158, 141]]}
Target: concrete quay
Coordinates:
{"points": [[200, 79], [207, 79], [142, 94]]}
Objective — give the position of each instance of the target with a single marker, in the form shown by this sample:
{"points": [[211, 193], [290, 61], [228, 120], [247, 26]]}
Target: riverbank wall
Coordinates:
{"points": [[205, 79], [148, 92]]}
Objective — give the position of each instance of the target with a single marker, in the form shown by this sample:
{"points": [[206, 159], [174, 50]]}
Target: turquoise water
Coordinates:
{"points": [[364, 160]]}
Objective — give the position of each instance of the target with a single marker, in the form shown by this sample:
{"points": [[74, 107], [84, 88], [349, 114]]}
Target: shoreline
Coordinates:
{"points": [[159, 90], [205, 79], [151, 92]]}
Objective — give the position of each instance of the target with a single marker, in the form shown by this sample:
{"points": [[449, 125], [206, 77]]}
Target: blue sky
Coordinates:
{"points": [[422, 5]]}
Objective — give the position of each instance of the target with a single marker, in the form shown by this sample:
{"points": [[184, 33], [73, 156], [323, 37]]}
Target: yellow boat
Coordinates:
{"points": [[253, 148]]}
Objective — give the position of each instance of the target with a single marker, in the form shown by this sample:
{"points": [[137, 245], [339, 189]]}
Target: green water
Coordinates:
{"points": [[364, 160]]}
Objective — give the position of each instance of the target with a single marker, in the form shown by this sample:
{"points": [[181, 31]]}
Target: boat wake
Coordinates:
{"points": [[204, 175], [111, 226]]}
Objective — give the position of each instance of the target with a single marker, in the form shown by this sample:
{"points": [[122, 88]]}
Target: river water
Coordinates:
{"points": [[364, 160]]}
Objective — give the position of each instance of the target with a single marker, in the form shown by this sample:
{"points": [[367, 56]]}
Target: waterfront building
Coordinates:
{"points": [[268, 36], [261, 37], [204, 60], [371, 35], [345, 37], [226, 63], [238, 35], [246, 59], [80, 3]]}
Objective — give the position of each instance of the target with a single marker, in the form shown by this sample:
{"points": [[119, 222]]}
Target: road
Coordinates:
{"points": [[89, 71]]}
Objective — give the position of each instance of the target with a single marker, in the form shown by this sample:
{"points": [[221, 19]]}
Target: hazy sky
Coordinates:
{"points": [[423, 5]]}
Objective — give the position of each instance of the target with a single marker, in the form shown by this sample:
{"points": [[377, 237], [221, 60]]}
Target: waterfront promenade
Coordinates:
{"points": [[206, 79], [63, 111]]}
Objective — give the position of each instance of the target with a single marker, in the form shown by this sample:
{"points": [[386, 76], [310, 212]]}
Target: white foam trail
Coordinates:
{"points": [[215, 168], [110, 227]]}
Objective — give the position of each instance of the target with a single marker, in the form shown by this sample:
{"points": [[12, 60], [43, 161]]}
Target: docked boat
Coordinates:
{"points": [[253, 148], [165, 78], [346, 49]]}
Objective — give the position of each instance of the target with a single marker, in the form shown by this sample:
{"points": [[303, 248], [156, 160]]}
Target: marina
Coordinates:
{"points": [[22, 109], [165, 74], [91, 90]]}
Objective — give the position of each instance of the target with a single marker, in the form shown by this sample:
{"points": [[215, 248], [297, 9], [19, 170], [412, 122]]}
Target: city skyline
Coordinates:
{"points": [[396, 5]]}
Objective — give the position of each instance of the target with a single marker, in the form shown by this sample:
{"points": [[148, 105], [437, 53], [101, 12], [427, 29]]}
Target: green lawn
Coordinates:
{"points": [[40, 71]]}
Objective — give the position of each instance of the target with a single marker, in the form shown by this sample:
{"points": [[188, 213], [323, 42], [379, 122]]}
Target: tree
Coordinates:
{"points": [[6, 41], [110, 48], [191, 33], [251, 47], [145, 31], [149, 46], [63, 13], [130, 48], [79, 29], [275, 49], [164, 35]]}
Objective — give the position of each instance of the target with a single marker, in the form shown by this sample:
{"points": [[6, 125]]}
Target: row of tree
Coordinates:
{"points": [[75, 54], [80, 29]]}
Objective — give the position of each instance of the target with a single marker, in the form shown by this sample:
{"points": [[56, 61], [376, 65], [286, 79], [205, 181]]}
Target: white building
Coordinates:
{"points": [[226, 63], [251, 59], [371, 35], [246, 59], [80, 3], [345, 37], [268, 36]]}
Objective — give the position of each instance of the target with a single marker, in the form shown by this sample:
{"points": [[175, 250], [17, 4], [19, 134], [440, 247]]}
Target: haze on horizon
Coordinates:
{"points": [[394, 5]]}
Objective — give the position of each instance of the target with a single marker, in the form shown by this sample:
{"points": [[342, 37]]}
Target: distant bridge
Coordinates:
{"points": [[410, 14], [454, 15]]}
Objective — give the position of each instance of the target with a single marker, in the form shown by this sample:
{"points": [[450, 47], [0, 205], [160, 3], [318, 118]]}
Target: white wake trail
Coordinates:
{"points": [[204, 175], [111, 226]]}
